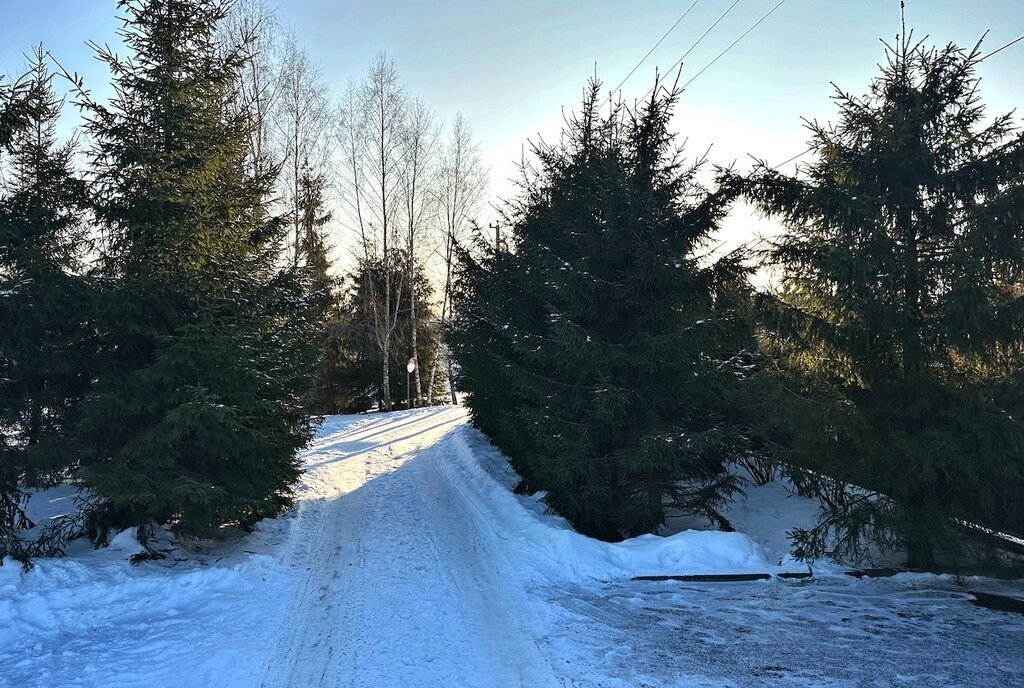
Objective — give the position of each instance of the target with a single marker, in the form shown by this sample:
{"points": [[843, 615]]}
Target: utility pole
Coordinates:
{"points": [[497, 235]]}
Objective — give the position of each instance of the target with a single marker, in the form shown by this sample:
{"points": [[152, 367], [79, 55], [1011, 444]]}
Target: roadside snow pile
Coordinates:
{"points": [[767, 513], [688, 552], [47, 504], [96, 620], [482, 473]]}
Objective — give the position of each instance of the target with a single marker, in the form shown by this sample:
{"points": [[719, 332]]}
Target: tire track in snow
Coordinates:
{"points": [[318, 522], [399, 583], [484, 568]]}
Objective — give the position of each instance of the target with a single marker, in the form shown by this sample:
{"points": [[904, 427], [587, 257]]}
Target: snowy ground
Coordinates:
{"points": [[409, 562]]}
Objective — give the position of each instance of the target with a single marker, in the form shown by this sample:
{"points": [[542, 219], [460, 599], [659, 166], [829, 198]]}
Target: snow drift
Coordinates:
{"points": [[484, 477]]}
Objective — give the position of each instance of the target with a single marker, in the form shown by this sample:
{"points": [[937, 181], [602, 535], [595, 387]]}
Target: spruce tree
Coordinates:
{"points": [[43, 297], [325, 290], [313, 218], [599, 347], [197, 413], [16, 108], [898, 317], [490, 296]]}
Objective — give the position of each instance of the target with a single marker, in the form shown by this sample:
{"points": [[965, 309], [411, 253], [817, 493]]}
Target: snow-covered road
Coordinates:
{"points": [[414, 573], [402, 584], [409, 562]]}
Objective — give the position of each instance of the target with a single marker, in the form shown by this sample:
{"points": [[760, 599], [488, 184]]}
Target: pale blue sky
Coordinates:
{"points": [[511, 66]]}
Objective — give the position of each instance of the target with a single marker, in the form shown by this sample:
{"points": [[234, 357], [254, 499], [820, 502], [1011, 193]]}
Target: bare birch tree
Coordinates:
{"points": [[420, 137], [302, 124], [371, 134], [460, 187], [403, 185], [252, 24]]}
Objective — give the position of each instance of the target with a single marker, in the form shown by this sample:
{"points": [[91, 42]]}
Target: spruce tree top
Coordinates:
{"points": [[168, 140], [910, 218]]}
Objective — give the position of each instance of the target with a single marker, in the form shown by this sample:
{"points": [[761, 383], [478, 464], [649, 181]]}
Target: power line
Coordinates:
{"points": [[696, 43], [742, 36], [798, 155], [1015, 40], [671, 28]]}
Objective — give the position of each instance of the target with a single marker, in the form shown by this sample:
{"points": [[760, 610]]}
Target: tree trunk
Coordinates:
{"points": [[920, 554], [35, 424], [433, 376], [451, 381], [386, 391], [412, 315], [385, 387], [295, 192], [445, 307]]}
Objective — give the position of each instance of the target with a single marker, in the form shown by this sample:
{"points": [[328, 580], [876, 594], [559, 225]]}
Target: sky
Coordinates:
{"points": [[511, 66]]}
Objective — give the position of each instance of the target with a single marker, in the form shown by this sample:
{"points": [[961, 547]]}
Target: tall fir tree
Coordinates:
{"points": [[43, 296], [326, 295], [899, 316], [314, 216], [15, 108], [600, 347], [197, 413]]}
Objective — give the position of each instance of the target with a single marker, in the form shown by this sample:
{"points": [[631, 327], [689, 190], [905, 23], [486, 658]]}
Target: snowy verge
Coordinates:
{"points": [[132, 620], [482, 474], [768, 514]]}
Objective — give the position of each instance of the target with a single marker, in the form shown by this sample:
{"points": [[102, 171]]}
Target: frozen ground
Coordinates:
{"points": [[409, 562]]}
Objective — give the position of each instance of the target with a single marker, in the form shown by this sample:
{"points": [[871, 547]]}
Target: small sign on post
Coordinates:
{"points": [[411, 366]]}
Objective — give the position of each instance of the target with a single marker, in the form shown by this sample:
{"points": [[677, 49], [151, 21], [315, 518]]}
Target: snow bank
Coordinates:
{"points": [[767, 513], [50, 503], [483, 475], [96, 620]]}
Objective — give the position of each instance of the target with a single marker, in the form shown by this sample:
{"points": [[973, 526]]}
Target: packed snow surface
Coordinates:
{"points": [[409, 562]]}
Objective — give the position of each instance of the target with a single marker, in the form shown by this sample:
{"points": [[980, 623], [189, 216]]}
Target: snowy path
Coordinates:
{"points": [[410, 563], [415, 575], [402, 584]]}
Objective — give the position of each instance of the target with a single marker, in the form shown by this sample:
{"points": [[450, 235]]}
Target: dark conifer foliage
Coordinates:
{"points": [[43, 298], [313, 218], [205, 340], [600, 346], [899, 317], [16, 108], [327, 297]]}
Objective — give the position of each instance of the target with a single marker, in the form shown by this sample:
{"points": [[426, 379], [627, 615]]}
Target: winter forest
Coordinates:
{"points": [[187, 260], [275, 362]]}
